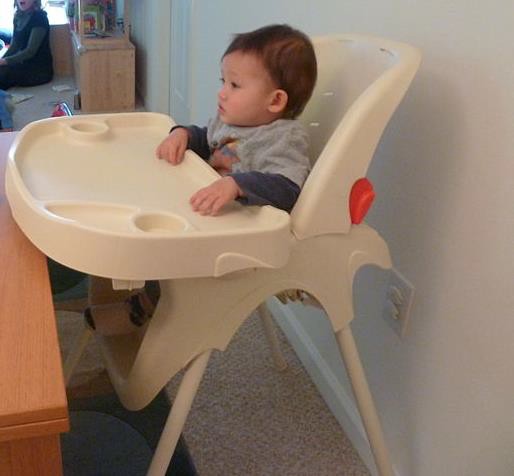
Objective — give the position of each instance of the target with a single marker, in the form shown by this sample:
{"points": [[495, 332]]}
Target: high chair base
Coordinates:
{"points": [[140, 364], [364, 401], [269, 331], [178, 414], [194, 373]]}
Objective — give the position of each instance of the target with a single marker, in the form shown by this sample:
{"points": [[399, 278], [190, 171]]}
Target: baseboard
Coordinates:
{"points": [[332, 391]]}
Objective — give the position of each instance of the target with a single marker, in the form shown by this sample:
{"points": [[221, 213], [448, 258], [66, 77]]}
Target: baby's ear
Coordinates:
{"points": [[278, 101]]}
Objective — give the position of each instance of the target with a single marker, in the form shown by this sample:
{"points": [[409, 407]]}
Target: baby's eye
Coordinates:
{"points": [[234, 85], [222, 80]]}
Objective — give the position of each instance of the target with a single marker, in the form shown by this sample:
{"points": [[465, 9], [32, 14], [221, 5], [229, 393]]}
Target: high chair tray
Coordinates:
{"points": [[90, 193]]}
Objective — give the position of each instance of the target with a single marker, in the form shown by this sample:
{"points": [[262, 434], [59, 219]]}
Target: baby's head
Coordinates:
{"points": [[267, 74]]}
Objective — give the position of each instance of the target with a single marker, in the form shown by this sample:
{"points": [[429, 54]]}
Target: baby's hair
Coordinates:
{"points": [[289, 58]]}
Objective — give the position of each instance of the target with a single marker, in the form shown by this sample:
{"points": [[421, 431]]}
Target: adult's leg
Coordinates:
{"points": [[27, 76], [5, 112], [23, 75], [6, 78]]}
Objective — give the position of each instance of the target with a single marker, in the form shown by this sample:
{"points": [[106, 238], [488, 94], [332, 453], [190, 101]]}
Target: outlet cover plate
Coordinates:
{"points": [[398, 302]]}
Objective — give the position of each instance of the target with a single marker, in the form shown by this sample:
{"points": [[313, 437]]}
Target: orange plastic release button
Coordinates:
{"points": [[361, 198]]}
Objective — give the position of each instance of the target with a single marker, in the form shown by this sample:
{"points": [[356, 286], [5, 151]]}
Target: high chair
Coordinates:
{"points": [[214, 272]]}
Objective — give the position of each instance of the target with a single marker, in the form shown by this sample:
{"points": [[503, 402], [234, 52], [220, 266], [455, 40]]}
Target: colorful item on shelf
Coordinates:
{"points": [[93, 18], [98, 15]]}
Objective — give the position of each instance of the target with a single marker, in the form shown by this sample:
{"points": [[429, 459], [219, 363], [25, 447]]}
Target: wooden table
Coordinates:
{"points": [[33, 406]]}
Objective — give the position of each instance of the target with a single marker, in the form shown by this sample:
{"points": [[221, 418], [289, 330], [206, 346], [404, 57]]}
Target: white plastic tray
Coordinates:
{"points": [[90, 193]]}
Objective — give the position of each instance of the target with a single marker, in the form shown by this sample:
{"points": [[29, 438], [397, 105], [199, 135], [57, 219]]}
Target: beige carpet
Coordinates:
{"points": [[247, 419], [38, 102]]}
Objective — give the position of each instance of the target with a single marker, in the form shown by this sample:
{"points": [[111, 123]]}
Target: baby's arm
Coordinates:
{"points": [[279, 168], [174, 146], [249, 188], [211, 199], [196, 140], [260, 189]]}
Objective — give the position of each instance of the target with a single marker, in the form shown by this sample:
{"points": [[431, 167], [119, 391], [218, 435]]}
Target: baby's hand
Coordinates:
{"points": [[173, 147], [222, 162], [209, 200]]}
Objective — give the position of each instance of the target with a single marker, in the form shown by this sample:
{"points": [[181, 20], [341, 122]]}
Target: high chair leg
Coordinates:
{"points": [[178, 414], [364, 401], [269, 330], [76, 352]]}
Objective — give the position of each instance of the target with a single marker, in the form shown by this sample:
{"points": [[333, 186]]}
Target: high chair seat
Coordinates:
{"points": [[122, 214]]}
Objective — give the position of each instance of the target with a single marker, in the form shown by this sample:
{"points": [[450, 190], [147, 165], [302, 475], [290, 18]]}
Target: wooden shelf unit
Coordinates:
{"points": [[104, 66]]}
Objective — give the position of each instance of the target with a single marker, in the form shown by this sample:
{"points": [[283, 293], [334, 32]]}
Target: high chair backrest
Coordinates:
{"points": [[361, 80]]}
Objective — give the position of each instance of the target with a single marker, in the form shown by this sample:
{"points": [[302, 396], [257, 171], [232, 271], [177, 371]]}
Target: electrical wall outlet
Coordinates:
{"points": [[399, 297]]}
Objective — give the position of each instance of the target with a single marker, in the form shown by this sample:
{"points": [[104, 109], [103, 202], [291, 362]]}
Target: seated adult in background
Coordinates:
{"points": [[28, 61]]}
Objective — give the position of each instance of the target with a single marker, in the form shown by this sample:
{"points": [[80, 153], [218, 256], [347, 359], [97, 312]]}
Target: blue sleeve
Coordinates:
{"points": [[198, 141], [267, 189]]}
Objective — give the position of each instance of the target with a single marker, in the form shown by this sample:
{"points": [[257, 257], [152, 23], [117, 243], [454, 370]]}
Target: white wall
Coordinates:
{"points": [[444, 177], [6, 15], [150, 33]]}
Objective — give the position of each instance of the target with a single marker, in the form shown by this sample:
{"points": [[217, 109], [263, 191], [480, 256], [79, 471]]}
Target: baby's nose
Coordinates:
{"points": [[222, 93]]}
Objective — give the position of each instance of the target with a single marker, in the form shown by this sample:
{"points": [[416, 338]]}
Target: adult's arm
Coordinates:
{"points": [[16, 56]]}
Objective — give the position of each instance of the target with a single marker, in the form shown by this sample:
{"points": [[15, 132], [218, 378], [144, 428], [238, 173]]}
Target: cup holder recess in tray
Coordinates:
{"points": [[160, 223], [87, 130]]}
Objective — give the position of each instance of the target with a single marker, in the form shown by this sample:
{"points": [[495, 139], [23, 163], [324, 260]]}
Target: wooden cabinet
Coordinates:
{"points": [[103, 56], [60, 42]]}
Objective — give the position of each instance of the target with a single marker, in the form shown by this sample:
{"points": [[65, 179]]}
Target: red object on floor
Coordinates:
{"points": [[61, 109], [361, 198]]}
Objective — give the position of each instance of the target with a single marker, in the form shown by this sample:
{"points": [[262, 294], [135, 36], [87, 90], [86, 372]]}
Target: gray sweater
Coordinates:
{"points": [[276, 148], [273, 161]]}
